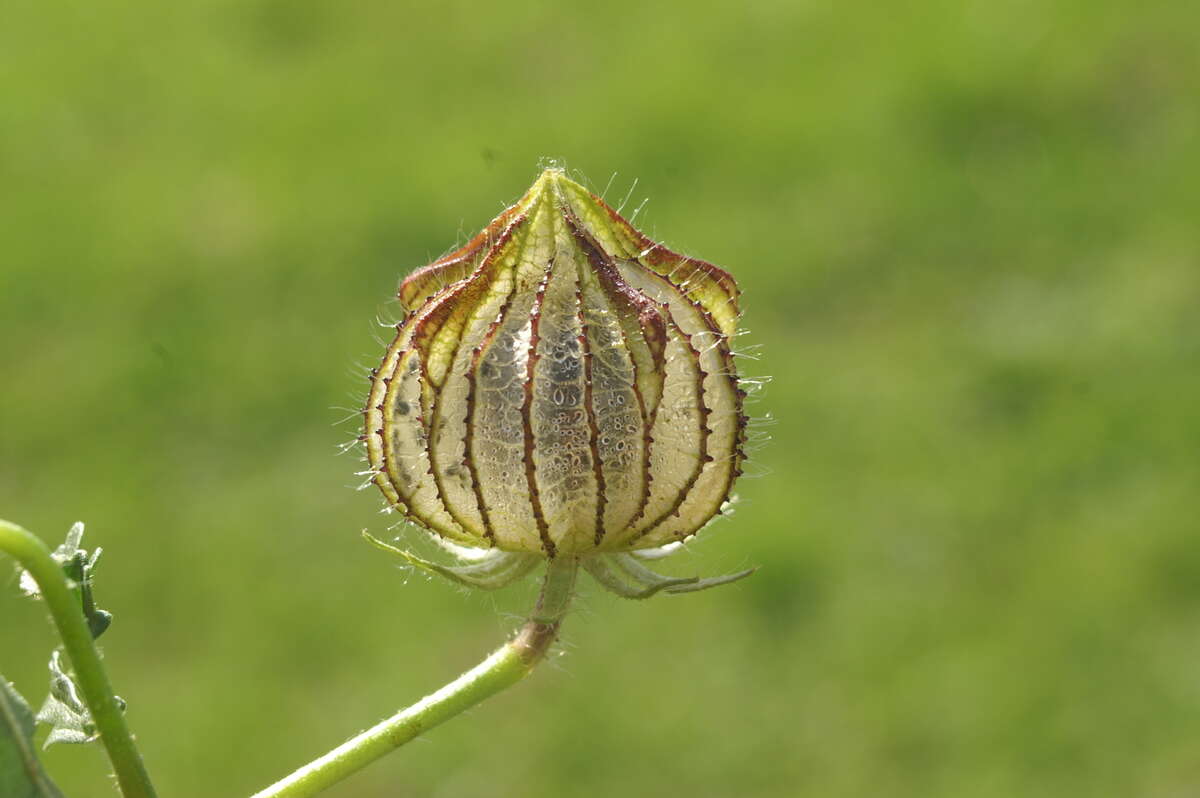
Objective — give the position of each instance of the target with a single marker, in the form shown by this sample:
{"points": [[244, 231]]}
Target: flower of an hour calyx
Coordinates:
{"points": [[560, 386]]}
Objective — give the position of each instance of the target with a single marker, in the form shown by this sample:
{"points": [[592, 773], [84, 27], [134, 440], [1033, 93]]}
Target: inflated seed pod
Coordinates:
{"points": [[560, 385]]}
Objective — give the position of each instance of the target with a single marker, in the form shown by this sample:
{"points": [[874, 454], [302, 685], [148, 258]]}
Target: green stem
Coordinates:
{"points": [[505, 667], [68, 617]]}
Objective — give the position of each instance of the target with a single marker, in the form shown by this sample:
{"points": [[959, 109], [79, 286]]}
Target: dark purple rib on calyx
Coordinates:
{"points": [[526, 410], [729, 374], [721, 342], [446, 267], [434, 307], [649, 318], [480, 282], [469, 422], [444, 305], [704, 457], [590, 409]]}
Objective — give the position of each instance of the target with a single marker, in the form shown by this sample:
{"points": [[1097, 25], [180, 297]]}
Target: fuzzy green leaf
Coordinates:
{"points": [[21, 774], [64, 710], [79, 567]]}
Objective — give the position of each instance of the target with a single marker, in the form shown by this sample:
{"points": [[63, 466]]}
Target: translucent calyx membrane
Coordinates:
{"points": [[560, 385]]}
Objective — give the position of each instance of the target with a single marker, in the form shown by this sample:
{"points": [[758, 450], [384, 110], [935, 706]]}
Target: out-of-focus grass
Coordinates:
{"points": [[967, 238]]}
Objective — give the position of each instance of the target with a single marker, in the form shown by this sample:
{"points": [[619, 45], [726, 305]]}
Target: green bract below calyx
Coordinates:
{"points": [[561, 385], [618, 572]]}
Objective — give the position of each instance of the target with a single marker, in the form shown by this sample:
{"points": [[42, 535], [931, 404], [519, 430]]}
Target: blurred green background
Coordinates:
{"points": [[967, 237]]}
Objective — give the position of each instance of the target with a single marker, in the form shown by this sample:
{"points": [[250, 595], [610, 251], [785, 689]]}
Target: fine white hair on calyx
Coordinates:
{"points": [[608, 185], [628, 194], [350, 414], [747, 352], [753, 386], [633, 216]]}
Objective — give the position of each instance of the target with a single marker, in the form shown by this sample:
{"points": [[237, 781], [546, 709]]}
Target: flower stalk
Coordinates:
{"points": [[503, 668]]}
